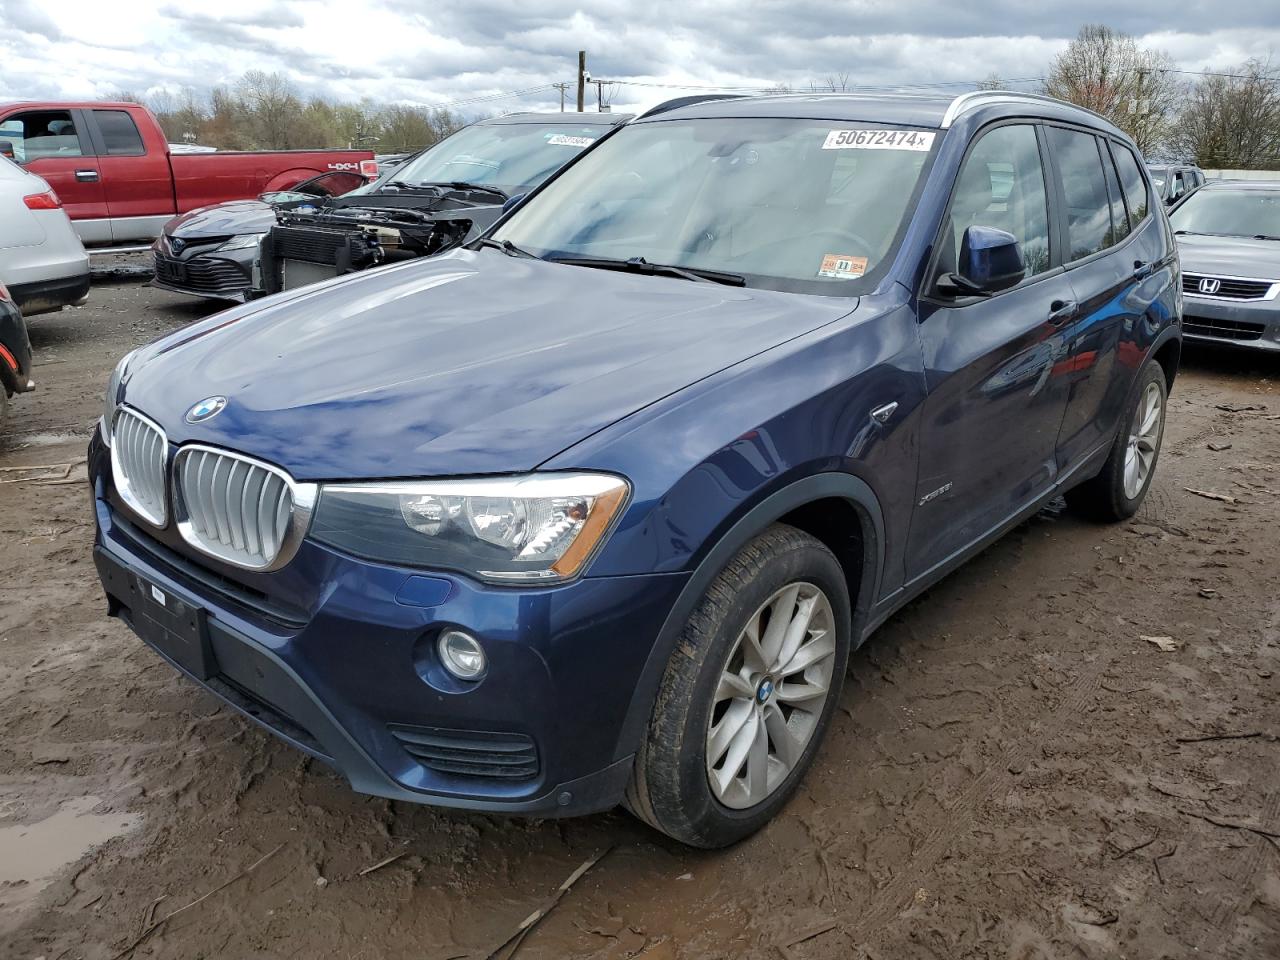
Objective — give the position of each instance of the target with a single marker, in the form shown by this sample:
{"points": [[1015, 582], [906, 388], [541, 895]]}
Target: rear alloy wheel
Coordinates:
{"points": [[1119, 488], [1144, 440], [747, 694]]}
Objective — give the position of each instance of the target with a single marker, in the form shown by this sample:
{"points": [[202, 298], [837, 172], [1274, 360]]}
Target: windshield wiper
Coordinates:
{"points": [[641, 265], [1264, 236], [507, 247], [484, 187], [405, 185]]}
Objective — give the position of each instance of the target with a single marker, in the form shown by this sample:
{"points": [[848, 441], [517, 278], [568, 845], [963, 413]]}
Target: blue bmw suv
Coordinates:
{"points": [[592, 511]]}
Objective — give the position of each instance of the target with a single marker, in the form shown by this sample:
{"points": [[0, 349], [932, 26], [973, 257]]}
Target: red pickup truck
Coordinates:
{"points": [[111, 166]]}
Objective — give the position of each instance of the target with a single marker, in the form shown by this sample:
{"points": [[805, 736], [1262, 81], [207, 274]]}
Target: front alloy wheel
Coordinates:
{"points": [[747, 693], [770, 696]]}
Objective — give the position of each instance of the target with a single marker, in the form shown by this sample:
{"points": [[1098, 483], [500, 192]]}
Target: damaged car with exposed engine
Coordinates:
{"points": [[212, 251], [451, 192]]}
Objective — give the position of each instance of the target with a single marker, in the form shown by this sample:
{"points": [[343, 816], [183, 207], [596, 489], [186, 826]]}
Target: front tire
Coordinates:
{"points": [[1118, 490], [748, 693]]}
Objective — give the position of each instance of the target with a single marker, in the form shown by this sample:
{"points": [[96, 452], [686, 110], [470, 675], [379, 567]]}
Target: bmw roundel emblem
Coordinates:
{"points": [[206, 409], [765, 690]]}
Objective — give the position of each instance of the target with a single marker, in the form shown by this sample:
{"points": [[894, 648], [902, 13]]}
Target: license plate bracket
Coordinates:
{"points": [[175, 628]]}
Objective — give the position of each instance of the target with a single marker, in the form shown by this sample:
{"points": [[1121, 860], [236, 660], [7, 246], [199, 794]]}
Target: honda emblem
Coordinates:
{"points": [[1209, 285]]}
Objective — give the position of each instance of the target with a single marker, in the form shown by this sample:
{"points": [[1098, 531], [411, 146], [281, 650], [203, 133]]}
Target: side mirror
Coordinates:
{"points": [[512, 201], [990, 261], [6, 149]]}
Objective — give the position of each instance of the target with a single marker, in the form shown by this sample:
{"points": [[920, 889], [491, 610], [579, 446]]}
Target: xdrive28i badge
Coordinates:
{"points": [[206, 409]]}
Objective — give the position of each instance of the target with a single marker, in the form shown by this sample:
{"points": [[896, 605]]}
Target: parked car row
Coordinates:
{"points": [[339, 223], [592, 508]]}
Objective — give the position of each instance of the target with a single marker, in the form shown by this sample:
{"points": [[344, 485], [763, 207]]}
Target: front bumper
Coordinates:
{"points": [[1253, 324], [224, 276], [337, 656]]}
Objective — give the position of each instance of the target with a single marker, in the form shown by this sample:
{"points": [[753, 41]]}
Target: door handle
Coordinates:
{"points": [[1142, 269], [1061, 311], [87, 176]]}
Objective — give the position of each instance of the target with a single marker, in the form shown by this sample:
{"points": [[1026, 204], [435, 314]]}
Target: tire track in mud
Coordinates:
{"points": [[943, 828], [1229, 914]]}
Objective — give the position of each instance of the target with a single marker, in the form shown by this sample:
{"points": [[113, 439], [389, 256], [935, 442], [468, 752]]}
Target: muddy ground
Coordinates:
{"points": [[1015, 773]]}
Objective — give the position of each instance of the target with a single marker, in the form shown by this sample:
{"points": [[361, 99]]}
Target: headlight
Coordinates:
{"points": [[242, 242], [541, 527], [111, 400]]}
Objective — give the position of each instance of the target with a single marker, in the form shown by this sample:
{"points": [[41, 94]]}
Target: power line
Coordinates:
{"points": [[1229, 76], [489, 97]]}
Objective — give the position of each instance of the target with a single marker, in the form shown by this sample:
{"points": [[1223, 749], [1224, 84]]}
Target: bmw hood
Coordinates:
{"points": [[223, 220], [467, 363], [1230, 256]]}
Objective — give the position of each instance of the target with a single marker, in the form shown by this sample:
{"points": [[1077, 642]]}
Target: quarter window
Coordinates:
{"points": [[1119, 222], [1084, 188], [1001, 185], [119, 133], [1135, 188]]}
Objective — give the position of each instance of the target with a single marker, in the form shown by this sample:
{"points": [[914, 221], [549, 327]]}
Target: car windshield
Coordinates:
{"points": [[787, 204], [1232, 213], [510, 156]]}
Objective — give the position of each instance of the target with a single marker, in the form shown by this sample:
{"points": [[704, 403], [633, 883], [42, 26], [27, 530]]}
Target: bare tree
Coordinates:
{"points": [[782, 88], [1107, 72], [831, 83], [273, 105], [993, 82], [1233, 121]]}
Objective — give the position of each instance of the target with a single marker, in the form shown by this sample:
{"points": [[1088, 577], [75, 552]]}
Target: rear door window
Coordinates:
{"points": [[120, 136], [41, 133], [1084, 188]]}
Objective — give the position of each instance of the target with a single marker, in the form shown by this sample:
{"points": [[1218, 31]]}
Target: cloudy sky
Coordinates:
{"points": [[475, 54]]}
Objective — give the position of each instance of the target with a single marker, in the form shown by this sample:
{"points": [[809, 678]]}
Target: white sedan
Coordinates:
{"points": [[42, 261]]}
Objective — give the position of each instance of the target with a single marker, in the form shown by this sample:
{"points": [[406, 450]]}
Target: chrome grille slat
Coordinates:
{"points": [[139, 449], [237, 509]]}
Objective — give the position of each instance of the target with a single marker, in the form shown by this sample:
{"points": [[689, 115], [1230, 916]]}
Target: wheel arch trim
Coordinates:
{"points": [[821, 486]]}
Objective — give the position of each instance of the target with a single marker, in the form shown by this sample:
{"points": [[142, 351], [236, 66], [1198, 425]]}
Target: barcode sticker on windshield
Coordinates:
{"points": [[560, 140], [841, 266], [878, 140]]}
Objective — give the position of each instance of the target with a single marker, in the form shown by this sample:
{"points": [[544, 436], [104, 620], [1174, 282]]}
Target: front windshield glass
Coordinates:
{"points": [[789, 204], [510, 156], [1232, 213]]}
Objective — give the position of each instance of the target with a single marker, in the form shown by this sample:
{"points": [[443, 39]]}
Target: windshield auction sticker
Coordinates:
{"points": [[560, 140], [878, 140], [840, 266]]}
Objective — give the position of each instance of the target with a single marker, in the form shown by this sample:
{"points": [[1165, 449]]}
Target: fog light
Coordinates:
{"points": [[461, 654]]}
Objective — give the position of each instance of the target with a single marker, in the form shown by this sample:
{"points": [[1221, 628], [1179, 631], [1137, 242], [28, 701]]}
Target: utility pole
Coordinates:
{"points": [[562, 87], [582, 78], [599, 96]]}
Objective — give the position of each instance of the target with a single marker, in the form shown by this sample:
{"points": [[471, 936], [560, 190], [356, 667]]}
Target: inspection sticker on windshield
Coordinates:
{"points": [[878, 140], [560, 140], [841, 266]]}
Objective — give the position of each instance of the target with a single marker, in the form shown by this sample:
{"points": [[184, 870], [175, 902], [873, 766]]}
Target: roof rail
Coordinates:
{"points": [[677, 102], [983, 98]]}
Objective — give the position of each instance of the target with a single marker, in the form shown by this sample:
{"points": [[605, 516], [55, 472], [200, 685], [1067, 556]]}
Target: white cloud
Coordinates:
{"points": [[444, 50]]}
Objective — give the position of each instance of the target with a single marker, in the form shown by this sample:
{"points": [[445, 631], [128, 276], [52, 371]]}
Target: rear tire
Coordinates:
{"points": [[741, 709], [1118, 490]]}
